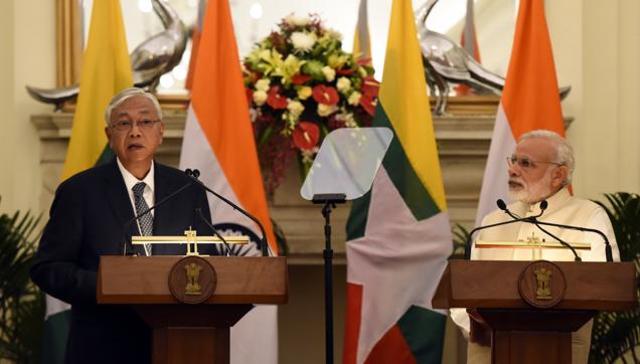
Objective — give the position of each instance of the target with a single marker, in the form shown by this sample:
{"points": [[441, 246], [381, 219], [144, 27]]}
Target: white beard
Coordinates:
{"points": [[532, 193]]}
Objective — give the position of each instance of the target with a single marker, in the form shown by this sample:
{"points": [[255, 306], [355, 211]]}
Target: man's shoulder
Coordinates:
{"points": [[583, 205], [165, 171], [495, 216], [87, 177]]}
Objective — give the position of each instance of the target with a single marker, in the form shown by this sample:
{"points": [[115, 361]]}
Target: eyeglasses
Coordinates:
{"points": [[526, 163], [126, 125]]}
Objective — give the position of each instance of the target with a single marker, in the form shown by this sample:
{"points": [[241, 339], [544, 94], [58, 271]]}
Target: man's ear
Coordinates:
{"points": [[161, 131], [559, 176]]}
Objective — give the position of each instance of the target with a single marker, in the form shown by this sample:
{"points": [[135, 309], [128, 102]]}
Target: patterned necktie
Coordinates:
{"points": [[145, 222]]}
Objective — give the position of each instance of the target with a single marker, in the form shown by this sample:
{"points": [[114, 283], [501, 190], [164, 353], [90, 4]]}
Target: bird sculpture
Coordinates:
{"points": [[151, 59], [447, 62]]}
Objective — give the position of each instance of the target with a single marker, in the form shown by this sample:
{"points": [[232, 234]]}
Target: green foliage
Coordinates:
{"points": [[460, 237], [22, 305], [616, 334]]}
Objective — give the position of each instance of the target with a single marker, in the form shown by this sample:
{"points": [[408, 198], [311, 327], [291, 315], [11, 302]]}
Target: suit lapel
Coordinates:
{"points": [[162, 188]]}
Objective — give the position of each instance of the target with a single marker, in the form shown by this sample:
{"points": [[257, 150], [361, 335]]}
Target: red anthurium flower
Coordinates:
{"points": [[370, 86], [368, 104], [345, 72], [300, 79], [275, 100], [249, 94], [306, 135], [325, 95]]}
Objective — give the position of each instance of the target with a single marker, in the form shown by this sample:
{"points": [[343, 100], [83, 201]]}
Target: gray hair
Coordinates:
{"points": [[564, 151], [126, 94]]}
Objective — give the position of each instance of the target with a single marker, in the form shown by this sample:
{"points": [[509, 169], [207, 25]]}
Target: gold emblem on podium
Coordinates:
{"points": [[536, 286], [543, 279], [193, 272], [192, 280]]}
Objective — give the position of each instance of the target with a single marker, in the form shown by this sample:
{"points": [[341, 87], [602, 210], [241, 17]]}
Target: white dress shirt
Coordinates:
{"points": [[130, 180]]}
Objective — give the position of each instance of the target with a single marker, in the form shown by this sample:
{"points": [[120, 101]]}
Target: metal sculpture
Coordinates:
{"points": [[151, 59], [447, 62]]}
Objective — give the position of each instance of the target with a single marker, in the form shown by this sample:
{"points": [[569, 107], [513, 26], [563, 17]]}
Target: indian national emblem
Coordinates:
{"points": [[193, 272], [543, 280]]}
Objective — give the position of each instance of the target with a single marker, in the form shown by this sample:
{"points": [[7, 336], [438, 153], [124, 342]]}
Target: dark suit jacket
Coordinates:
{"points": [[86, 221]]}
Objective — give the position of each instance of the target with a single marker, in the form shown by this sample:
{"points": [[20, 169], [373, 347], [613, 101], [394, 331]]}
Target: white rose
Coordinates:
{"points": [[303, 41], [343, 84], [296, 21], [259, 97], [263, 84], [354, 98], [326, 110], [295, 108], [334, 34], [329, 73]]}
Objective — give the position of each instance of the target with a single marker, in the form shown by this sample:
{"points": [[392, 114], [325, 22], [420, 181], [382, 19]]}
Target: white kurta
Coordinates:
{"points": [[562, 209]]}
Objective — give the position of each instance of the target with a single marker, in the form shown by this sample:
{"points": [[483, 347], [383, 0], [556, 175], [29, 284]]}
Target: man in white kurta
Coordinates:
{"points": [[540, 169]]}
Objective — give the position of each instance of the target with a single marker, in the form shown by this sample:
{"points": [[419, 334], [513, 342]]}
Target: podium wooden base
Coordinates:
{"points": [[533, 336], [193, 335]]}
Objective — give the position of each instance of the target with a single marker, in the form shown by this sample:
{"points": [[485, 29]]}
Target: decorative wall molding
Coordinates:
{"points": [[463, 143]]}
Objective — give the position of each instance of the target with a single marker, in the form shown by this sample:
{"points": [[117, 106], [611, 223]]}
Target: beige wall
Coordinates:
{"points": [[28, 57], [597, 48]]}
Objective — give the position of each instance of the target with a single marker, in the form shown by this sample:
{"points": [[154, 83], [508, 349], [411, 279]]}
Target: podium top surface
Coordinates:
{"points": [[144, 280], [494, 284]]}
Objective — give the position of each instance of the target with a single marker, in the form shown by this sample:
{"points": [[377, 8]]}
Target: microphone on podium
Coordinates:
{"points": [[607, 245], [467, 249], [533, 220], [127, 225], [194, 174]]}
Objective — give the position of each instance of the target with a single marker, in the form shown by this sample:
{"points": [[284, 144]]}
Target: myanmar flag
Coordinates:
{"points": [[218, 140], [106, 70], [399, 233]]}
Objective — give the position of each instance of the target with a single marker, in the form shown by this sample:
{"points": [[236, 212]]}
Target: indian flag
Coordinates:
{"points": [[361, 38], [106, 70], [218, 140], [530, 101], [399, 233]]}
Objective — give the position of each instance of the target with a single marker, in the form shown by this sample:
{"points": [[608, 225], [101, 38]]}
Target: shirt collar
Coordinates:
{"points": [[130, 180]]}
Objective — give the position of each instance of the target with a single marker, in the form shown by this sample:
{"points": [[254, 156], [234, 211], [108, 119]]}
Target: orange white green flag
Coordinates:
{"points": [[218, 140], [399, 233], [530, 101]]}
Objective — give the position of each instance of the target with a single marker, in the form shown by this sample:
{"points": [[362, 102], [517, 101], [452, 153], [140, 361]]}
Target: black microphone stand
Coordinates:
{"points": [[533, 220], [329, 200], [194, 174]]}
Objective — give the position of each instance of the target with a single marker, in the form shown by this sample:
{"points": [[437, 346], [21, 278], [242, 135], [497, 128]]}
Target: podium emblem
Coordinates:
{"points": [[543, 278], [542, 284], [192, 280]]}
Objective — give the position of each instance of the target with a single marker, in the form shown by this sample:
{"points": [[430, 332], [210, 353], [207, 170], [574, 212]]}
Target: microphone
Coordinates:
{"points": [[127, 225], [467, 248], [215, 232], [533, 220], [194, 174], [607, 244]]}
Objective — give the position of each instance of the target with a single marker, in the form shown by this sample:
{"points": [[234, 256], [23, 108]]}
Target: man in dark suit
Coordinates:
{"points": [[89, 218]]}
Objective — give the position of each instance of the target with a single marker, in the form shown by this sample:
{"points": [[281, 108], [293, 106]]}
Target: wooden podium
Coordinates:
{"points": [[191, 333], [533, 307]]}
